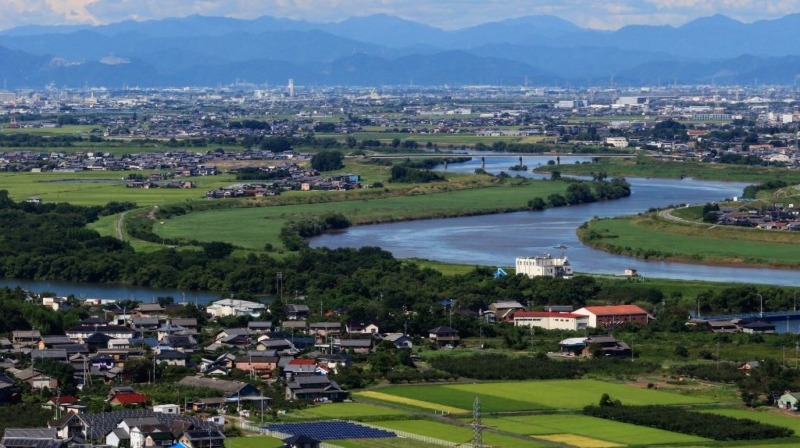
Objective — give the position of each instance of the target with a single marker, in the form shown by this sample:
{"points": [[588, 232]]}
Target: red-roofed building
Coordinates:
{"points": [[130, 399], [547, 320], [613, 315]]}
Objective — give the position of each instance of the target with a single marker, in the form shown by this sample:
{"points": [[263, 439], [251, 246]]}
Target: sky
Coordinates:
{"points": [[448, 14]]}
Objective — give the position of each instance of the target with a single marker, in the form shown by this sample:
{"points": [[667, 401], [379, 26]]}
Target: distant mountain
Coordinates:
{"points": [[382, 49]]}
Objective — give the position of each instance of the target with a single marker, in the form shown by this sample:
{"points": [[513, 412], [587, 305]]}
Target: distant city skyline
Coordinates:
{"points": [[447, 14]]}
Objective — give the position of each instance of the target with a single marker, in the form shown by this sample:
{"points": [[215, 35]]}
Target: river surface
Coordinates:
{"points": [[85, 291], [496, 240]]}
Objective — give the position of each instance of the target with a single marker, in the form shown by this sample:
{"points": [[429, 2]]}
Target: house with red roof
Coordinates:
{"points": [[612, 316], [129, 399], [548, 320]]}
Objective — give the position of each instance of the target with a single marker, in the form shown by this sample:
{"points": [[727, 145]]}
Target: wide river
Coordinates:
{"points": [[495, 240]]}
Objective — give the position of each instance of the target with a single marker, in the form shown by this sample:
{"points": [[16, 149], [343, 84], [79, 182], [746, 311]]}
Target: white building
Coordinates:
{"points": [[544, 265], [173, 409], [617, 142], [233, 307], [547, 320]]}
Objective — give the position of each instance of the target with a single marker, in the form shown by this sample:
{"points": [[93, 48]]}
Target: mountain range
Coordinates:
{"points": [[387, 50]]}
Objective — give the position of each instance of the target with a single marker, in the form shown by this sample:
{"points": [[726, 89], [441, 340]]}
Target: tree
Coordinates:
{"points": [[327, 161], [277, 144], [537, 204], [555, 175]]}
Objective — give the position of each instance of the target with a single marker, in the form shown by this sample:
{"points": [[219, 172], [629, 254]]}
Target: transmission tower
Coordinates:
{"points": [[477, 426]]}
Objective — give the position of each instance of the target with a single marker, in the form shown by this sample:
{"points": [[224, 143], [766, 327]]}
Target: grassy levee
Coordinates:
{"points": [[652, 237], [643, 166], [255, 226]]}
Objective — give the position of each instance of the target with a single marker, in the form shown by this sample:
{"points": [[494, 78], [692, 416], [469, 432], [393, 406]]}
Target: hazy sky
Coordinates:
{"points": [[601, 14]]}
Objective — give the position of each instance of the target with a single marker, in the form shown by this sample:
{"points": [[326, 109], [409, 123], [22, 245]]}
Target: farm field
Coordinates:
{"points": [[655, 238], [257, 225], [253, 442], [773, 418], [98, 188], [590, 427], [452, 433], [389, 442], [537, 395], [344, 411]]}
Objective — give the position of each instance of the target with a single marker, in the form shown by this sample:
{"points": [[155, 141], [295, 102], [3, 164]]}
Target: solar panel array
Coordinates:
{"points": [[330, 430]]}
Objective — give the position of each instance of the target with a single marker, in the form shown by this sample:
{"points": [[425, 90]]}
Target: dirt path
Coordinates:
{"points": [[119, 225]]}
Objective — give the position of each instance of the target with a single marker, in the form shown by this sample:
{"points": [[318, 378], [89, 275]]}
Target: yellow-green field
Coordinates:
{"points": [[535, 395]]}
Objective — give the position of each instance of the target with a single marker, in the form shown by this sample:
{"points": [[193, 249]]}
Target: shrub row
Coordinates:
{"points": [[681, 420]]}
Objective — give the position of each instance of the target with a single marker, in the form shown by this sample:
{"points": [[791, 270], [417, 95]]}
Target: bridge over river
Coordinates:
{"points": [[507, 155]]}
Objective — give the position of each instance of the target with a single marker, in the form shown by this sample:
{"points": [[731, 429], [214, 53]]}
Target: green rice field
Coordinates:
{"points": [[100, 187], [452, 433], [344, 411], [537, 395], [595, 428]]}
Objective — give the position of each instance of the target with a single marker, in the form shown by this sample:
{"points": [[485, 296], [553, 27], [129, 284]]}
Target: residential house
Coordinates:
{"points": [[316, 388], [299, 367], [444, 336], [504, 311], [231, 390], [606, 346], [789, 401], [233, 307], [259, 327], [359, 346], [26, 338], [300, 441], [399, 340], [210, 438], [297, 312], [757, 327], [613, 316], [128, 399], [32, 437], [257, 364], [363, 327], [81, 333], [51, 341], [324, 329], [172, 357]]}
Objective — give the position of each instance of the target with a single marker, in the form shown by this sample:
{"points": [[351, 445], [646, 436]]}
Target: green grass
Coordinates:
{"points": [[63, 130], [652, 237], [648, 167], [538, 395], [388, 442], [344, 411], [452, 433], [586, 426], [772, 417], [255, 226], [253, 442], [98, 188]]}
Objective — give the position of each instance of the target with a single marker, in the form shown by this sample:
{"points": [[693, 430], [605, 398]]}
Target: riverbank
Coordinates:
{"points": [[650, 167], [653, 237], [257, 226]]}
